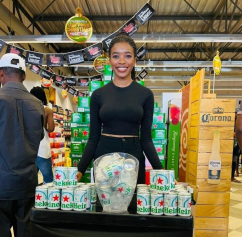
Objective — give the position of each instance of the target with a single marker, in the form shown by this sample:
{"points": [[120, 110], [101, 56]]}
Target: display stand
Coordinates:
{"points": [[95, 223], [211, 211]]}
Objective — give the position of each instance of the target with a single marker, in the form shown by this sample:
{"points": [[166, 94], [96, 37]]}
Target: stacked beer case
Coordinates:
{"points": [[80, 128], [159, 133]]}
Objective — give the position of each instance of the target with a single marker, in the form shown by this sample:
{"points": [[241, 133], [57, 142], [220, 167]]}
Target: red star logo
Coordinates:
{"points": [[103, 196], [189, 204], [85, 133], [159, 180], [159, 118], [56, 198], [116, 172], [155, 126], [159, 149], [85, 198], [161, 203], [66, 199], [139, 202], [120, 189], [57, 176], [38, 197]]}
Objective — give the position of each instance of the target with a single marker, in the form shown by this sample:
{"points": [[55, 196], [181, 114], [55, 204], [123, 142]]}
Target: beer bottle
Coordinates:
{"points": [[214, 168], [192, 199]]}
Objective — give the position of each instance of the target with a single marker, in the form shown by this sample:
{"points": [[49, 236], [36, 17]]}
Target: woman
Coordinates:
{"points": [[121, 106], [43, 160]]}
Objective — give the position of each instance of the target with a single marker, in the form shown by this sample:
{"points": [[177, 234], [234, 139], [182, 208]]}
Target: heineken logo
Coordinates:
{"points": [[41, 204], [174, 140], [158, 203], [141, 201], [67, 206], [143, 209], [163, 188], [170, 210], [157, 210], [184, 211], [80, 206], [61, 183], [53, 205]]}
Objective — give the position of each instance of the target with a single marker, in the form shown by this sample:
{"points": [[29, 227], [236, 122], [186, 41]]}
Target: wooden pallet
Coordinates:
{"points": [[212, 209]]}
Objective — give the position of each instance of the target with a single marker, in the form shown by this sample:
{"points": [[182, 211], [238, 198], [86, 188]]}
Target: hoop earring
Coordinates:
{"points": [[112, 76]]}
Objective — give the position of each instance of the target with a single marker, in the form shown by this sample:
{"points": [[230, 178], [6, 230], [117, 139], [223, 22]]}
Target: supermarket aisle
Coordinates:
{"points": [[235, 214]]}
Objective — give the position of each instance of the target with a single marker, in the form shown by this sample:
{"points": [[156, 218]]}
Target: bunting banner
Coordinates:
{"points": [[73, 58], [46, 74], [144, 14], [143, 74], [83, 82], [55, 60], [35, 69], [141, 52], [93, 51], [106, 42], [130, 27], [71, 81], [15, 50], [71, 90], [2, 44], [34, 58], [96, 78]]}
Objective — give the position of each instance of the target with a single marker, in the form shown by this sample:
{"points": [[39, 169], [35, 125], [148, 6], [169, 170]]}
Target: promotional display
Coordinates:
{"points": [[174, 135], [163, 197]]}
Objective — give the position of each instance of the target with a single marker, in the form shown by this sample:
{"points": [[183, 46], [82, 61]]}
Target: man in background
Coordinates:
{"points": [[238, 132], [21, 130]]}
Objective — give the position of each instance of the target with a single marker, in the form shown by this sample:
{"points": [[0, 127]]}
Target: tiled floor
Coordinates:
{"points": [[235, 213]]}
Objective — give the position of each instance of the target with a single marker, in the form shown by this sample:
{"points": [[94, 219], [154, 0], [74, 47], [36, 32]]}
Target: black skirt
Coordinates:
{"points": [[130, 145]]}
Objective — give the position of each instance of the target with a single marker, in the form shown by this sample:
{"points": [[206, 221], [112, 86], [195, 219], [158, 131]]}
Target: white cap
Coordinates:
{"points": [[13, 60]]}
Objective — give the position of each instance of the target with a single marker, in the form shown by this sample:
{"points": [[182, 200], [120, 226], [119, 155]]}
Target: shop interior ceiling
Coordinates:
{"points": [[182, 36]]}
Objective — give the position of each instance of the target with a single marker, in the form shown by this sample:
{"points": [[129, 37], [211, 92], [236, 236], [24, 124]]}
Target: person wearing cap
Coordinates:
{"points": [[21, 130]]}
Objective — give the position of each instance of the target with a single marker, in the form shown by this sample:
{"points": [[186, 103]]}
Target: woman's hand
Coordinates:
{"points": [[79, 176]]}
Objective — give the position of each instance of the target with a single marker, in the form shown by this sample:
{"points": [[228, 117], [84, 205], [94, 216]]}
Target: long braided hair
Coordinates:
{"points": [[123, 37]]}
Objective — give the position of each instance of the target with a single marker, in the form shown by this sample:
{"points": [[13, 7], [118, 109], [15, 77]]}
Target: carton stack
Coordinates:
{"points": [[159, 133], [80, 129]]}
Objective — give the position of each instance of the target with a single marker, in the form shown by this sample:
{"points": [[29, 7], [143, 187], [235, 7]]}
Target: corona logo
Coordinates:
{"points": [[218, 110]]}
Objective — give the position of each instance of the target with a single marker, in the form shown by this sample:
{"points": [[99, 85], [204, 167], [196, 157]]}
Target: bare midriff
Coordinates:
{"points": [[112, 135]]}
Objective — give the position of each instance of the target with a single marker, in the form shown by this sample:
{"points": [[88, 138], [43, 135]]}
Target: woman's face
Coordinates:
{"points": [[122, 60]]}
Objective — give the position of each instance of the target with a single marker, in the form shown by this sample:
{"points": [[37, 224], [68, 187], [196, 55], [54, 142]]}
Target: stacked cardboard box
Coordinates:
{"points": [[159, 133]]}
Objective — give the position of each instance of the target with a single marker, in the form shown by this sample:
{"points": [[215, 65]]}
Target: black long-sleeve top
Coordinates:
{"points": [[121, 111]]}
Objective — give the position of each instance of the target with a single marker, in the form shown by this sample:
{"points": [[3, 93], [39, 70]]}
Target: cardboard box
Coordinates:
{"points": [[77, 148], [159, 118], [77, 118], [80, 125], [107, 73], [158, 126], [94, 85], [84, 102], [87, 117], [105, 82], [142, 83], [81, 132], [79, 139], [159, 141], [158, 134], [157, 110], [83, 110]]}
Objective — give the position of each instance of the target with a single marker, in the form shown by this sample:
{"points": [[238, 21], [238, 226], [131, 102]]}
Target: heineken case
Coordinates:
{"points": [[94, 85], [80, 132], [158, 134], [77, 148], [84, 102], [77, 118], [107, 73]]}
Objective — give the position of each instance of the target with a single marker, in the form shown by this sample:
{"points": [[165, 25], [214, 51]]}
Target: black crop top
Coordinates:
{"points": [[121, 111]]}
